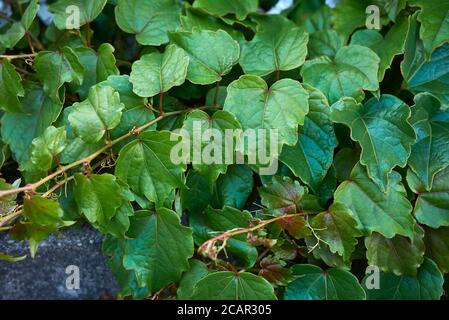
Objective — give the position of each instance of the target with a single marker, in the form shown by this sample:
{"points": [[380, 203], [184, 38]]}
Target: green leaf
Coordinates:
{"points": [[324, 43], [434, 19], [212, 54], [9, 258], [149, 20], [157, 73], [158, 248], [98, 66], [311, 158], [39, 112], [98, 114], [437, 247], [211, 222], [430, 153], [431, 207], [277, 46], [387, 213], [18, 29], [338, 229], [54, 69], [63, 11], [145, 165], [42, 212], [383, 131], [198, 270], [354, 69], [227, 285], [427, 285], [198, 122], [387, 47], [282, 107], [240, 8], [315, 284], [98, 196], [398, 255], [10, 87]]}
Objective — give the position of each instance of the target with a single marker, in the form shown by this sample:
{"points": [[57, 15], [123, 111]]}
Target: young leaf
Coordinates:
{"points": [[42, 212], [212, 54], [354, 69], [64, 10], [382, 129], [277, 46], [10, 88], [149, 20], [100, 113], [227, 285], [157, 73]]}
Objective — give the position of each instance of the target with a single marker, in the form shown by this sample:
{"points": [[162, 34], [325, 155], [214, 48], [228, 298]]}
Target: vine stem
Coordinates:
{"points": [[228, 234], [18, 56], [33, 186]]}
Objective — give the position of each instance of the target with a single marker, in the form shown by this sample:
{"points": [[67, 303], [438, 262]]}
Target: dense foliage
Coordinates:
{"points": [[362, 116]]}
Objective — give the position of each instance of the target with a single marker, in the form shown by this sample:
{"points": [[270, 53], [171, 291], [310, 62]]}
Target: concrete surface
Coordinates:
{"points": [[45, 277]]}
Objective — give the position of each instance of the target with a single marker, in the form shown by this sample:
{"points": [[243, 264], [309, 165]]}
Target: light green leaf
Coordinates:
{"points": [[427, 285], [212, 54], [354, 69], [98, 196], [398, 255], [277, 46], [315, 284], [386, 213], [10, 87], [54, 69], [157, 73], [145, 165], [338, 229], [437, 247], [311, 158], [64, 12], [157, 249], [8, 258], [227, 285], [241, 8], [149, 20], [42, 212], [383, 131], [101, 112], [324, 43]]}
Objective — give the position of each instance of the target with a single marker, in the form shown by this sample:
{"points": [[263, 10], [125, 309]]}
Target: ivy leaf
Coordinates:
{"points": [[157, 73], [10, 87], [212, 54], [386, 213], [149, 20], [399, 255], [387, 47], [437, 247], [324, 43], [227, 285], [430, 153], [382, 129], [427, 285], [431, 207], [98, 196], [282, 107], [315, 284], [354, 69], [54, 69], [311, 158], [240, 8], [18, 29], [198, 270], [155, 241], [98, 114], [434, 23], [338, 229], [145, 165], [88, 10], [98, 66], [42, 212], [206, 225], [274, 271], [277, 46], [45, 149], [19, 129], [221, 121]]}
